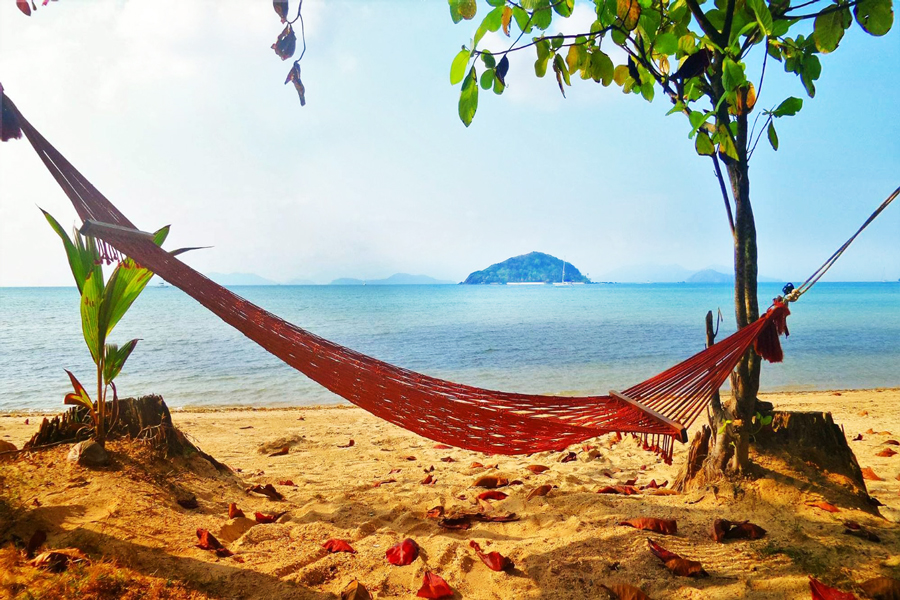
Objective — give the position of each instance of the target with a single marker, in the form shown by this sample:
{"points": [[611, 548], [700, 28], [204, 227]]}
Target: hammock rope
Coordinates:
{"points": [[659, 409]]}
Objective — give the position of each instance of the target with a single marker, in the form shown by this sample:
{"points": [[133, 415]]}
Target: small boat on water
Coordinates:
{"points": [[563, 282]]}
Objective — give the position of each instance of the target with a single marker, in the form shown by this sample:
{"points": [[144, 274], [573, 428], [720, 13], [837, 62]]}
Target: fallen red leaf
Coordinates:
{"points": [[537, 469], [852, 525], [631, 482], [442, 447], [870, 431], [334, 545], [281, 452], [223, 552], [355, 590], [384, 481], [820, 591], [434, 587], [869, 475], [664, 526], [541, 490], [448, 459], [409, 458], [403, 553], [234, 512], [660, 552], [207, 540], [588, 447], [892, 442], [675, 563], [491, 481], [429, 469], [267, 490], [568, 457], [826, 506], [435, 513], [25, 8], [287, 482], [500, 518], [651, 486], [392, 471], [428, 480], [492, 495], [494, 560], [516, 482], [627, 490], [189, 503], [858, 437], [476, 465], [726, 530], [623, 591], [347, 445], [882, 588], [264, 518], [887, 452]]}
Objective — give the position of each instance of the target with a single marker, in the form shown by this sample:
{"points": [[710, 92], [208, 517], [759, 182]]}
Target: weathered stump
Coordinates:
{"points": [[812, 439], [146, 419]]}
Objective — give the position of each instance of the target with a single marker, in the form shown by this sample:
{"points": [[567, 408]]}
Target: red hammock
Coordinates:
{"points": [[660, 409]]}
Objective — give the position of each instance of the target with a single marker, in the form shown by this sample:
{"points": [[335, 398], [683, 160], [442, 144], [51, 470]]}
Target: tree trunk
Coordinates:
{"points": [[728, 452]]}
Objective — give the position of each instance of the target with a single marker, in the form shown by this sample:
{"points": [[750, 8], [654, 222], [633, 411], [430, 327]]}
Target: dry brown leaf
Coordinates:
{"points": [[58, 561], [491, 481], [686, 568], [281, 452], [820, 591], [882, 588], [864, 413], [494, 560], [476, 465], [568, 457], [537, 469], [492, 495], [892, 442], [726, 530], [267, 490], [541, 490], [626, 490], [428, 480], [234, 512], [870, 431], [355, 591], [664, 526], [664, 492], [448, 459], [435, 513], [623, 591], [886, 453], [869, 475], [442, 447], [827, 506]]}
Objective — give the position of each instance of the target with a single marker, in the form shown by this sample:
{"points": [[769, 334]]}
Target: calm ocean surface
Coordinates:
{"points": [[541, 339]]}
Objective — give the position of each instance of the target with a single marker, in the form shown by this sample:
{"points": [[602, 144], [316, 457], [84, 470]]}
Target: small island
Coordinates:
{"points": [[534, 267]]}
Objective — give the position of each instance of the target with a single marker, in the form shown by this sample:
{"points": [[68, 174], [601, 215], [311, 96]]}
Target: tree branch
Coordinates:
{"points": [[704, 23], [729, 18], [724, 189], [824, 11]]}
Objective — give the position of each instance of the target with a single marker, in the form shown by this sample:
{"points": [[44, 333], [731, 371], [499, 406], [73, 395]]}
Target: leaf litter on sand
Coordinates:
{"points": [[494, 560], [355, 591], [664, 526], [675, 563], [433, 586], [335, 545], [820, 591], [623, 591], [726, 530], [403, 553]]}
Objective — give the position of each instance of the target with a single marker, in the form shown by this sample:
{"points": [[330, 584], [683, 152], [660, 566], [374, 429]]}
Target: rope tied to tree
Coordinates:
{"points": [[792, 294]]}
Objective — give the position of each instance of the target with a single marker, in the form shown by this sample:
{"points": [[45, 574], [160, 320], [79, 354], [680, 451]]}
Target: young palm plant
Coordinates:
{"points": [[103, 304]]}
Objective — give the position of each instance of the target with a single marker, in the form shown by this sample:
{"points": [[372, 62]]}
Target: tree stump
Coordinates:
{"points": [[146, 418], [810, 439]]}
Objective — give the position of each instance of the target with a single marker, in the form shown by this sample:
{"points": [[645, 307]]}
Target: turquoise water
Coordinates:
{"points": [[542, 339]]}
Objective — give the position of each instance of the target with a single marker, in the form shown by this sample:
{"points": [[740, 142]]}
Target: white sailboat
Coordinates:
{"points": [[563, 281]]}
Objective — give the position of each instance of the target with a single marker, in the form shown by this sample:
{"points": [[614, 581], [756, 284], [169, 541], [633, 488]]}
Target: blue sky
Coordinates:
{"points": [[177, 112]]}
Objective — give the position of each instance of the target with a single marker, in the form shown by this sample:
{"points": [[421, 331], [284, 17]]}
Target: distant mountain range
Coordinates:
{"points": [[675, 274], [534, 267], [239, 279]]}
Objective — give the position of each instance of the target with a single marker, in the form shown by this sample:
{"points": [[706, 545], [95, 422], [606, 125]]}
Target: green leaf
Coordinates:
{"points": [[499, 86], [458, 67], [828, 30], [875, 16], [726, 144], [697, 119], [732, 75], [703, 144], [763, 15], [666, 44], [124, 286], [468, 98], [493, 20], [810, 69], [559, 64], [766, 420], [543, 57], [487, 79], [496, 3], [542, 17], [91, 299], [115, 359], [773, 137], [564, 8], [790, 107], [601, 68], [160, 235], [462, 9], [488, 59], [81, 262], [523, 20]]}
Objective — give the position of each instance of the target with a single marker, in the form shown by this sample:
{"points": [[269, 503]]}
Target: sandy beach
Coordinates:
{"points": [[349, 476]]}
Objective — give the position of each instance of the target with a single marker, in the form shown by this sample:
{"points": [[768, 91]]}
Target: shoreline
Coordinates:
{"points": [[219, 408]]}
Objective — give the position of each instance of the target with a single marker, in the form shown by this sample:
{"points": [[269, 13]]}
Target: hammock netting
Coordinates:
{"points": [[659, 409]]}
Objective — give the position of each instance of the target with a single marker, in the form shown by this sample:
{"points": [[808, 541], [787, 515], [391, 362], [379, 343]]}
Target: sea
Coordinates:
{"points": [[583, 339]]}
